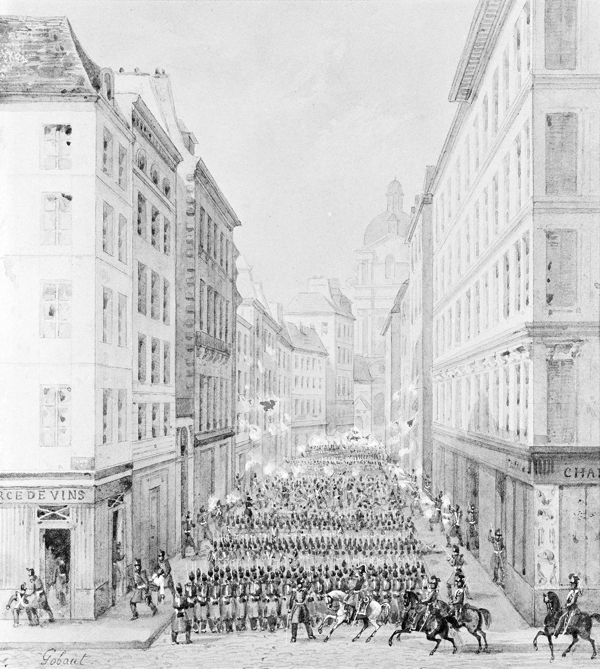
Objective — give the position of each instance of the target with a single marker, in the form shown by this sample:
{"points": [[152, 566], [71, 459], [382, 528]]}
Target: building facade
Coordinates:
{"points": [[245, 408], [515, 308], [262, 399], [67, 341], [154, 172], [285, 374], [381, 267], [309, 386], [392, 331], [363, 395], [329, 311]]}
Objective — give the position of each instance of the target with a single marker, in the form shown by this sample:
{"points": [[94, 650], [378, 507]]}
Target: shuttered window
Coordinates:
{"points": [[561, 268], [561, 153], [561, 401], [561, 34]]}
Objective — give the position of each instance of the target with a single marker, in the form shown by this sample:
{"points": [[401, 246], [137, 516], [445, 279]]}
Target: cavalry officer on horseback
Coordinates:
{"points": [[430, 601], [571, 607], [458, 599], [457, 562], [498, 556]]}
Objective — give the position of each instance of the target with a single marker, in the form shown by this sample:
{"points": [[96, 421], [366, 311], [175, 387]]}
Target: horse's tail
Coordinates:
{"points": [[595, 616], [487, 617]]}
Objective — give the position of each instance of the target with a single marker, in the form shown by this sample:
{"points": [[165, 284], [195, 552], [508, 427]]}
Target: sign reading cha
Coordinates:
{"points": [[47, 495], [582, 473]]}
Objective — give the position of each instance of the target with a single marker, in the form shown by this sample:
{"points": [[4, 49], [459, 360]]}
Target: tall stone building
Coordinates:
{"points": [[154, 173], [88, 342], [515, 308], [329, 311], [381, 267]]}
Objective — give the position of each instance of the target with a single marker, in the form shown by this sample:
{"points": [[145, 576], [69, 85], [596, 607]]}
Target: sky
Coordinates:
{"points": [[304, 110]]}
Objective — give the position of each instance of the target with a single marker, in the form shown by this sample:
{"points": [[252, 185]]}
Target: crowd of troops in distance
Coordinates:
{"points": [[277, 554]]}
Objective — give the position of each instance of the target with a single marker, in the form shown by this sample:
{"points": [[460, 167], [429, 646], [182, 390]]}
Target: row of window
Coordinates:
{"points": [[344, 388], [214, 242], [308, 407], [159, 300], [515, 61], [283, 359], [154, 420], [214, 316], [108, 158], [159, 373], [486, 217], [110, 397], [160, 226], [214, 406], [108, 233], [308, 362], [494, 402], [497, 402], [500, 293], [305, 382], [108, 318], [162, 183], [344, 331], [344, 355]]}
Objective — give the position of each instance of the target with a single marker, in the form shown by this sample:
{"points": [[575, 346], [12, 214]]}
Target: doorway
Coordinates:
{"points": [[154, 529], [118, 576], [56, 570]]}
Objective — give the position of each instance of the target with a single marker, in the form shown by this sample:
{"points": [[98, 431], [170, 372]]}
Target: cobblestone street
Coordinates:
{"points": [[256, 650]]}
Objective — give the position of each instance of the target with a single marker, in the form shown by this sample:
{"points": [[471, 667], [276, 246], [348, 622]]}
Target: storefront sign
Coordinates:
{"points": [[46, 495], [582, 473]]}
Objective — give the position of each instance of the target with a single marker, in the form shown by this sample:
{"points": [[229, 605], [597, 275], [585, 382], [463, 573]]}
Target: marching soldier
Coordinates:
{"points": [[299, 612], [141, 591], [227, 612], [457, 561], [498, 556], [571, 607], [180, 623], [201, 608], [191, 594], [39, 593], [214, 604]]}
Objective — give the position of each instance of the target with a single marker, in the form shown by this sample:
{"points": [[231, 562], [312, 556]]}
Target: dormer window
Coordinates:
{"points": [[154, 175], [108, 85], [141, 160], [166, 186]]}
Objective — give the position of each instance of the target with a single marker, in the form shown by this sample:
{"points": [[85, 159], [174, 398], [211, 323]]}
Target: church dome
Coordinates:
{"points": [[393, 221]]}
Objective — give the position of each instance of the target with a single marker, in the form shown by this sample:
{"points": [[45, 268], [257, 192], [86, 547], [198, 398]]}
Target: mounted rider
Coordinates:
{"points": [[458, 599], [430, 601], [571, 607]]}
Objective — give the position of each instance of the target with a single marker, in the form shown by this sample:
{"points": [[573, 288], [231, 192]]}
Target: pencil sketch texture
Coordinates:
{"points": [[406, 450]]}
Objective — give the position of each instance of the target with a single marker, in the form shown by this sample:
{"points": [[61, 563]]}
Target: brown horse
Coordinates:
{"points": [[436, 626], [473, 620], [580, 625], [552, 603]]}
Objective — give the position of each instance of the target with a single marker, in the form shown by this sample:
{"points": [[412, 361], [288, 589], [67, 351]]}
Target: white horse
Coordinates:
{"points": [[344, 614]]}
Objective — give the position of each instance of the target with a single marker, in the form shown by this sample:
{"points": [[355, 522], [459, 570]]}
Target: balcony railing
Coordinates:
{"points": [[210, 343]]}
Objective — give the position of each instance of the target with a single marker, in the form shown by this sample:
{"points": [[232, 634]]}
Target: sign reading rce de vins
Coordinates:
{"points": [[46, 495]]}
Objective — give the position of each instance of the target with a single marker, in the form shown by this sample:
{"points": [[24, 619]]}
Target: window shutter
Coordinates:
{"points": [[561, 268], [561, 153], [561, 34]]}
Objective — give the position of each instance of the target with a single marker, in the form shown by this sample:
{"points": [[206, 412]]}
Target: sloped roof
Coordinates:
{"points": [[305, 338], [361, 370], [310, 303], [43, 57]]}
